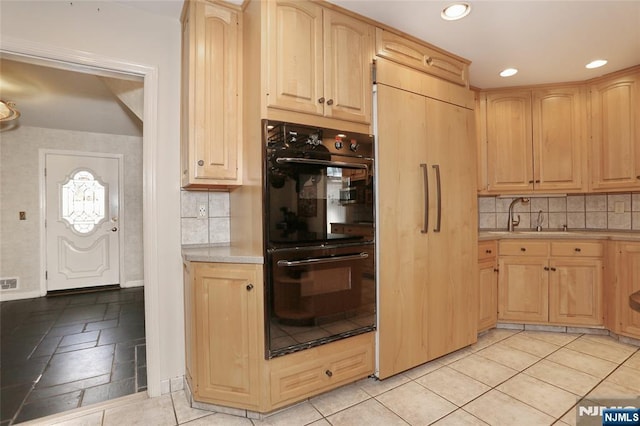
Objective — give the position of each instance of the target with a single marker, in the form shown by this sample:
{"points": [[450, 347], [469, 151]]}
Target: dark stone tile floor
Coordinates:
{"points": [[66, 351]]}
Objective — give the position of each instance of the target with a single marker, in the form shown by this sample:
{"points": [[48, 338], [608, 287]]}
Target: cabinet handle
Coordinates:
{"points": [[249, 287], [330, 102], [496, 270], [537, 180], [200, 163], [638, 177], [436, 167], [523, 249], [328, 373], [578, 249], [546, 268], [553, 269], [425, 179], [531, 181], [488, 251], [321, 100]]}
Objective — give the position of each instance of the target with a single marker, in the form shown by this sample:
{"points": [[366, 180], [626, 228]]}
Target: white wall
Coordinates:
{"points": [[123, 33], [20, 188]]}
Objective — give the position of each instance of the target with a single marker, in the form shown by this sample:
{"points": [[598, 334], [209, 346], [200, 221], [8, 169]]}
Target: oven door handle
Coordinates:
{"points": [[320, 260], [327, 163]]}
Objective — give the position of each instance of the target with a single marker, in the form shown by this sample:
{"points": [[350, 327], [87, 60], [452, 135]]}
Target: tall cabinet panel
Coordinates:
{"points": [[402, 244], [615, 134], [426, 192]]}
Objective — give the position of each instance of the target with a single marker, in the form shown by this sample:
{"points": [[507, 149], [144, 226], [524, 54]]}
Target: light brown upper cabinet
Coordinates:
{"points": [[422, 57], [615, 133], [319, 61], [535, 140], [211, 107]]}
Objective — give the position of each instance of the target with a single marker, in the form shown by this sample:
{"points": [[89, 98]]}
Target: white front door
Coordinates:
{"points": [[82, 211]]}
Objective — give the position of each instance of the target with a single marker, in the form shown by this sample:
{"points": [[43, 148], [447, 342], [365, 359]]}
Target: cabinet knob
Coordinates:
{"points": [[531, 181], [321, 100], [330, 102], [553, 269], [546, 268], [523, 249], [328, 373], [249, 287], [578, 249], [496, 270], [488, 251], [200, 163], [638, 177]]}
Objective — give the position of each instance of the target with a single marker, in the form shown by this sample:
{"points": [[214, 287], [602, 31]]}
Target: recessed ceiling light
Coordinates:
{"points": [[508, 72], [455, 11], [596, 64]]}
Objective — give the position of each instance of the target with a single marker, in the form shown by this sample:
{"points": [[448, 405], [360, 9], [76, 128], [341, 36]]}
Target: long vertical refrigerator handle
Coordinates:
{"points": [[438, 198], [425, 178]]}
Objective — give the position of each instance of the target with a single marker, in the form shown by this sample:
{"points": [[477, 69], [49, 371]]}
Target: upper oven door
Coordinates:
{"points": [[305, 196]]}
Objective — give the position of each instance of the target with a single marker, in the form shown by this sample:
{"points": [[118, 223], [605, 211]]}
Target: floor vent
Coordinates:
{"points": [[8, 283]]}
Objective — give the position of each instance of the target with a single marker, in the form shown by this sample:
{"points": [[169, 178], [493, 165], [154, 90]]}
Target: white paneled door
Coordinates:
{"points": [[82, 220]]}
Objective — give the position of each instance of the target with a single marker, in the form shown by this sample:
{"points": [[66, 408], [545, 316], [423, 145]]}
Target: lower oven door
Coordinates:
{"points": [[318, 295]]}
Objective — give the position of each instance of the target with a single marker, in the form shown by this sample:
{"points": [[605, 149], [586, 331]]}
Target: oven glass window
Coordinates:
{"points": [[319, 297], [306, 204]]}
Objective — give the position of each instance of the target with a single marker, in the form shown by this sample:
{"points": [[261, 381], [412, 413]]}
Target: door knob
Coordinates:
{"points": [[249, 287]]}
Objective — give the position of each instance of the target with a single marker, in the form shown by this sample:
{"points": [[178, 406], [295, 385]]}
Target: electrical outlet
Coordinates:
{"points": [[618, 207], [202, 211]]}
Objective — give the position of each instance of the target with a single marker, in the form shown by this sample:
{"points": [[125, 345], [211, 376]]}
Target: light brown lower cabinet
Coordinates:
{"points": [[551, 282], [224, 329], [487, 284], [626, 272]]}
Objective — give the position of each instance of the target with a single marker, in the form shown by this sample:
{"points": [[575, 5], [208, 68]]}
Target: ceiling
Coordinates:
{"points": [[548, 41]]}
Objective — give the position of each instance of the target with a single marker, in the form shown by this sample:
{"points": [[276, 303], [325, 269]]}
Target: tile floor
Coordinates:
{"points": [[68, 351], [509, 377]]}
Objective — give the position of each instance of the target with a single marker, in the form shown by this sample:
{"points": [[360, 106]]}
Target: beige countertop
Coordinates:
{"points": [[563, 235], [220, 254]]}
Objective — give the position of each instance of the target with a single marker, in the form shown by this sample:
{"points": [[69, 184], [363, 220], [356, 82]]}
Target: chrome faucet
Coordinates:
{"points": [[512, 221]]}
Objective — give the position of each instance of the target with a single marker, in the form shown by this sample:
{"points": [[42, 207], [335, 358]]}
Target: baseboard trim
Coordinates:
{"points": [[8, 295]]}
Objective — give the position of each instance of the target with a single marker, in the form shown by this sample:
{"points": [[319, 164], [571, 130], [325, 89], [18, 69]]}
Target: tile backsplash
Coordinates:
{"points": [[619, 211], [212, 226]]}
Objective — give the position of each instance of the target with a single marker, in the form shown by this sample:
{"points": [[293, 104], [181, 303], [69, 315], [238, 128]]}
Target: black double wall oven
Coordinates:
{"points": [[319, 236]]}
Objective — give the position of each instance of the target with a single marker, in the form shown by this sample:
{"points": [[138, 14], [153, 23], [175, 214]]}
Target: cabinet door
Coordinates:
{"points": [[451, 316], [348, 46], [487, 294], [629, 283], [575, 291], [523, 289], [401, 194], [615, 134], [509, 150], [559, 145], [227, 311], [211, 88], [295, 65]]}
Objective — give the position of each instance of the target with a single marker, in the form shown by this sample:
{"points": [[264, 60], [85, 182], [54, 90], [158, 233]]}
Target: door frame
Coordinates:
{"points": [[42, 153], [74, 60]]}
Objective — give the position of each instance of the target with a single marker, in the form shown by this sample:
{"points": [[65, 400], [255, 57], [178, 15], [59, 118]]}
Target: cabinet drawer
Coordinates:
{"points": [[316, 370], [524, 248], [487, 250], [577, 248]]}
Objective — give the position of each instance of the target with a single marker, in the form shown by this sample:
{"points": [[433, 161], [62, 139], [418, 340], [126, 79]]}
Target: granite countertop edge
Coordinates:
{"points": [[220, 253], [559, 235]]}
